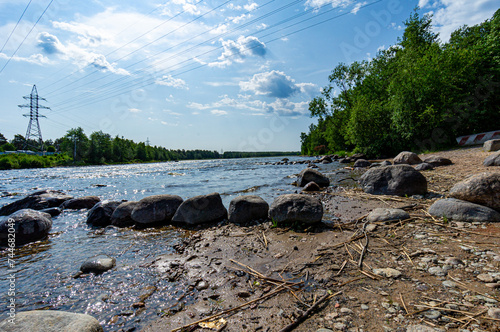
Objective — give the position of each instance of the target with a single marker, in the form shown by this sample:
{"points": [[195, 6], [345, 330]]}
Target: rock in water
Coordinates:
{"points": [[407, 158], [493, 160], [437, 161], [245, 209], [491, 145], [398, 180], [483, 189], [296, 208], [156, 209], [51, 321], [100, 214], [98, 264], [122, 216], [458, 210], [362, 163], [29, 225], [201, 210], [312, 175], [383, 214], [86, 202], [39, 200]]}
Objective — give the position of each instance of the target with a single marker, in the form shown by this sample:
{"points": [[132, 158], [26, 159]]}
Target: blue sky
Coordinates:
{"points": [[191, 74]]}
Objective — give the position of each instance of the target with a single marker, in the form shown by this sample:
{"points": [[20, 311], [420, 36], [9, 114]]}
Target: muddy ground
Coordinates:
{"points": [[436, 274]]}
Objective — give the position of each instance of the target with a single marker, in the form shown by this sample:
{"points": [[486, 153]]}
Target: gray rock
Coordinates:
{"points": [[100, 214], [407, 158], [312, 175], [362, 163], [345, 160], [29, 225], [311, 186], [201, 210], [398, 180], [424, 167], [156, 209], [122, 216], [39, 200], [98, 264], [494, 313], [437, 161], [485, 277], [384, 214], [51, 321], [422, 328], [437, 271], [296, 208], [483, 189], [491, 145], [86, 202], [453, 261], [53, 211], [388, 272], [358, 156], [449, 284], [432, 314], [458, 210], [492, 160], [381, 164], [245, 209]]}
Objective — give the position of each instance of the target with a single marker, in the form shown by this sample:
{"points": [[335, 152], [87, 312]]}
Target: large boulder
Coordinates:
{"points": [[407, 158], [28, 226], [36, 201], [386, 214], [51, 321], [201, 210], [398, 180], [100, 214], [98, 264], [311, 175], [492, 160], [156, 209], [459, 210], [491, 145], [122, 216], [483, 189], [437, 161], [310, 187], [245, 209], [296, 208], [79, 203], [362, 163]]}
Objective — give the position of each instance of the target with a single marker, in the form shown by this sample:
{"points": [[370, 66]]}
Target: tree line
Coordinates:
{"points": [[419, 94]]}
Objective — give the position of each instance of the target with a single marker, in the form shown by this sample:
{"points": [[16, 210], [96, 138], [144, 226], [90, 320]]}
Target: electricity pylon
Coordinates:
{"points": [[33, 131]]}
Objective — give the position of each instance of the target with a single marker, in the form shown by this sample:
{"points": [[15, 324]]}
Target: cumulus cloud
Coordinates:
{"points": [[188, 6], [49, 44], [272, 84], [218, 112], [134, 110], [37, 59], [316, 4], [357, 7], [238, 50], [168, 80]]}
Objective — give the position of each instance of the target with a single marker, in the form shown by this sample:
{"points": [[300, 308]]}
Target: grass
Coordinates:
{"points": [[19, 161]]}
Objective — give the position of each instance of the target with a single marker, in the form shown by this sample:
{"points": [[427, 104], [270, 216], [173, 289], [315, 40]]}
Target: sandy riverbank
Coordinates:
{"points": [[449, 266]]}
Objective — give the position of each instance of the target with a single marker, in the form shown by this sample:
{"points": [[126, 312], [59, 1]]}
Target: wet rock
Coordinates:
{"points": [[491, 145], [311, 186], [383, 214], [492, 160], [39, 200], [398, 180], [156, 209], [388, 272], [122, 216], [53, 211], [200, 210], [98, 264], [245, 209], [362, 163], [458, 210], [29, 225], [328, 159], [407, 158], [437, 161], [86, 202], [312, 175], [51, 320], [483, 189], [296, 208], [424, 167], [100, 214]]}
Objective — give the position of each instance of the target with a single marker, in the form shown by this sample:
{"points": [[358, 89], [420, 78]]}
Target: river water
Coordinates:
{"points": [[44, 269]]}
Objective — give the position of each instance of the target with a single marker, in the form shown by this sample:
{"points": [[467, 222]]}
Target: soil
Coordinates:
{"points": [[446, 278]]}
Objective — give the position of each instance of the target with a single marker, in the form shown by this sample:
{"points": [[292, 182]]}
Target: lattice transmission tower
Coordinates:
{"points": [[33, 132]]}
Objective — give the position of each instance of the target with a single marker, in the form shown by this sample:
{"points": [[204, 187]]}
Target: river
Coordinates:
{"points": [[44, 269]]}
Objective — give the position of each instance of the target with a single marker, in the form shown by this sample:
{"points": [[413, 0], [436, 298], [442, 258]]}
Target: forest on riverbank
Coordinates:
{"points": [[418, 95]]}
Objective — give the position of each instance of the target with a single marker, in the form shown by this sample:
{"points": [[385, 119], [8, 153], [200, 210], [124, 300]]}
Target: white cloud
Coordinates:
{"points": [[316, 4], [357, 7], [134, 110], [238, 19], [188, 6], [251, 6], [218, 112], [168, 80], [170, 112], [422, 3], [36, 59], [310, 89], [272, 84], [237, 51]]}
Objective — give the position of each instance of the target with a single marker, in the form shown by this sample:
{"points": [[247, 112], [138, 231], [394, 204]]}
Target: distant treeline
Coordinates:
{"points": [[419, 94], [235, 154]]}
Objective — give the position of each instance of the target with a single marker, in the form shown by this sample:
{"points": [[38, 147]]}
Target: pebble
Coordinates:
{"points": [[437, 271], [388, 272], [449, 284], [364, 307], [202, 285], [485, 277], [453, 261], [339, 326], [493, 285], [432, 314], [346, 311], [323, 330], [494, 313]]}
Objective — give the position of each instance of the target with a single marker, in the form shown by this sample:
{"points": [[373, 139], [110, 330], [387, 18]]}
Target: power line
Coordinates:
{"points": [[20, 18], [34, 25]]}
